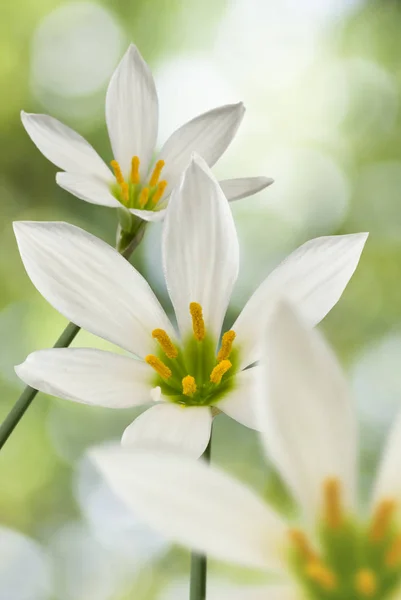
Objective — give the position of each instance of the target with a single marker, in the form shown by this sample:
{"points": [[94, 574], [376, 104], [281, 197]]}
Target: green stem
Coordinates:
{"points": [[197, 588], [24, 401]]}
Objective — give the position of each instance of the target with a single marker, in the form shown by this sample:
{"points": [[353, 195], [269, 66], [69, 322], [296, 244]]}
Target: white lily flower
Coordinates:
{"points": [[138, 182], [336, 552], [94, 287]]}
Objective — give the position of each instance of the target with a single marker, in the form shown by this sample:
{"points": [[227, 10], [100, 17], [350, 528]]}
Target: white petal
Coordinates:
{"points": [[64, 147], [149, 215], [88, 376], [170, 426], [252, 592], [308, 416], [208, 134], [388, 483], [195, 505], [132, 111], [91, 284], [200, 248], [87, 187], [239, 404], [234, 189], [312, 278]]}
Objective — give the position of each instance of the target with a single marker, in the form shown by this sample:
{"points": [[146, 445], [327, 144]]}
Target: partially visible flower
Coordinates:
{"points": [[335, 552], [187, 374], [138, 181]]}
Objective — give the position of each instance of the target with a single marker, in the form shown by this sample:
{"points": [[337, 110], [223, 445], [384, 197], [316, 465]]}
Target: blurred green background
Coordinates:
{"points": [[321, 81]]}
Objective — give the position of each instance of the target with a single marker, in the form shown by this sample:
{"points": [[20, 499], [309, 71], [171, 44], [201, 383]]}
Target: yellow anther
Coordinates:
{"points": [[321, 575], [117, 172], [393, 556], [332, 502], [188, 385], [143, 197], [125, 192], [366, 583], [158, 366], [156, 173], [381, 519], [300, 541], [161, 186], [135, 162], [198, 324], [226, 345], [219, 370], [165, 342]]}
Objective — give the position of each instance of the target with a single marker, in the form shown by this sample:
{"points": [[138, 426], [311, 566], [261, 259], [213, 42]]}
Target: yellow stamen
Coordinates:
{"points": [[332, 503], [125, 192], [198, 324], [302, 544], [135, 162], [393, 556], [117, 172], [161, 186], [321, 574], [188, 385], [165, 342], [158, 366], [226, 345], [366, 583], [219, 370], [143, 197], [381, 519], [156, 173]]}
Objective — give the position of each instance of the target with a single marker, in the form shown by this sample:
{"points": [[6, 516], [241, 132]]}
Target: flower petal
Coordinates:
{"points": [[388, 484], [132, 111], [312, 278], [253, 592], [63, 146], [195, 505], [208, 134], [234, 189], [91, 284], [87, 187], [239, 404], [171, 426], [88, 376], [149, 215], [308, 416], [200, 248]]}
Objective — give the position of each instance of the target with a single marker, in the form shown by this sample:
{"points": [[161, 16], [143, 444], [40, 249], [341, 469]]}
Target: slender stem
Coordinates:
{"points": [[197, 588], [29, 393], [65, 339]]}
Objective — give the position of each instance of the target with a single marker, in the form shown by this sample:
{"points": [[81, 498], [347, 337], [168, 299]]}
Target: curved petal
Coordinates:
{"points": [[63, 146], [208, 134], [195, 505], [88, 376], [88, 188], [388, 484], [149, 215], [312, 278], [170, 426], [91, 284], [132, 111], [239, 404], [235, 189], [308, 417], [200, 248]]}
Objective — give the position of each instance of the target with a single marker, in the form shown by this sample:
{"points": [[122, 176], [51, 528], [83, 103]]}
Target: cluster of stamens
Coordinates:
{"points": [[184, 386], [131, 193], [354, 561]]}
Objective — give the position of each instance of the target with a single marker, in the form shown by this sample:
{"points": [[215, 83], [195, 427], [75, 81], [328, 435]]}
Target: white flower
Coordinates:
{"points": [[93, 286], [336, 552], [139, 183]]}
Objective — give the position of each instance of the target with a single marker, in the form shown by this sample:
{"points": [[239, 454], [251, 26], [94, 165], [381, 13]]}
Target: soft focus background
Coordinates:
{"points": [[321, 80]]}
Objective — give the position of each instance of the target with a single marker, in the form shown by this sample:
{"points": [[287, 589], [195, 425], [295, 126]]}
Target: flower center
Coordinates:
{"points": [[351, 559], [192, 374], [133, 193]]}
